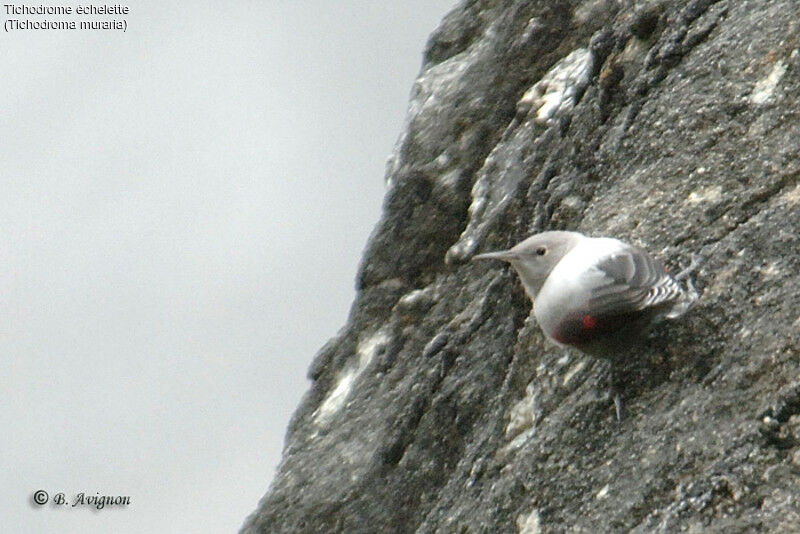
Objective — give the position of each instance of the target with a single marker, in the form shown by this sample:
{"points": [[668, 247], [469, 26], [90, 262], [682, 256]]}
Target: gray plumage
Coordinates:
{"points": [[594, 294]]}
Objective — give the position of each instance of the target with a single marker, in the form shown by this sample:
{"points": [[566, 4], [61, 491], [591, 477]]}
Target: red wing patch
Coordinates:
{"points": [[589, 322]]}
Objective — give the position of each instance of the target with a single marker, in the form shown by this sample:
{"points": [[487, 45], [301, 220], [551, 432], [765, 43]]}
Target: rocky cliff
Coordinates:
{"points": [[441, 408]]}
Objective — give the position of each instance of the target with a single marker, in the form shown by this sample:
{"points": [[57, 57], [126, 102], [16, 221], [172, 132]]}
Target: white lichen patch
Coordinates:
{"points": [[745, 332], [707, 194], [522, 414], [603, 493], [765, 88], [723, 281], [553, 96], [573, 202], [418, 299], [412, 298], [792, 197], [558, 90], [430, 90], [529, 523], [770, 270], [336, 399], [574, 370]]}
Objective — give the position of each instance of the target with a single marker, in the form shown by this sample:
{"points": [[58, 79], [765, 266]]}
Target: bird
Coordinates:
{"points": [[598, 295]]}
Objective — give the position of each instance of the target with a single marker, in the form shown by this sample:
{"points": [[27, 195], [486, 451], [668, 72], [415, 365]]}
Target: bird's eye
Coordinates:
{"points": [[541, 251]]}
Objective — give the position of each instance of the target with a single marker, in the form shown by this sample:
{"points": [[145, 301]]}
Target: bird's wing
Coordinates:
{"points": [[632, 281]]}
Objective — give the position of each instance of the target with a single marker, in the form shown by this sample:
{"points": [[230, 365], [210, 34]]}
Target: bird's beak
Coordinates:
{"points": [[502, 255]]}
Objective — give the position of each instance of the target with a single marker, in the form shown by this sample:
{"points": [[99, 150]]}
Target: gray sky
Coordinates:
{"points": [[183, 209]]}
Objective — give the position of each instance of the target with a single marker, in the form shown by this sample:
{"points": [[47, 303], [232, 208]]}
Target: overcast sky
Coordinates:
{"points": [[183, 209]]}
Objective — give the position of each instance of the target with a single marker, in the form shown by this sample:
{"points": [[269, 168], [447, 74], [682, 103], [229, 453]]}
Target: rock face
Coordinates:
{"points": [[440, 407]]}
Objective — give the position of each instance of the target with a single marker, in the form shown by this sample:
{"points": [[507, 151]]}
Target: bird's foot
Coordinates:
{"points": [[618, 406], [616, 394], [691, 293], [695, 262], [615, 383]]}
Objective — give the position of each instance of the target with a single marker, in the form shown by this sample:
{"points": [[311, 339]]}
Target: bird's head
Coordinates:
{"points": [[535, 257]]}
